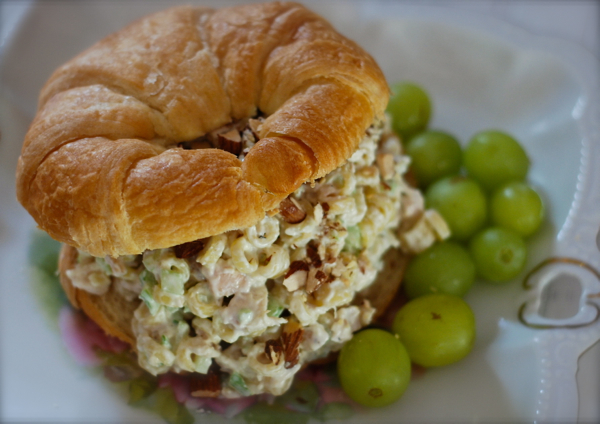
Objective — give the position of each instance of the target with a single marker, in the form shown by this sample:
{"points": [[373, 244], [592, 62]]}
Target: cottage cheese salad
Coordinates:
{"points": [[261, 302]]}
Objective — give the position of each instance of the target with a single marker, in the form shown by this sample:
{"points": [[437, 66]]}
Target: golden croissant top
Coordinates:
{"points": [[101, 169]]}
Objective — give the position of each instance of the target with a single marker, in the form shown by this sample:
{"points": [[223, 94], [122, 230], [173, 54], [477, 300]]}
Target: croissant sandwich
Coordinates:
{"points": [[226, 187]]}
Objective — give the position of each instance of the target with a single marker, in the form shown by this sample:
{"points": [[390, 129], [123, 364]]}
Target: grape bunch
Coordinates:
{"points": [[482, 193]]}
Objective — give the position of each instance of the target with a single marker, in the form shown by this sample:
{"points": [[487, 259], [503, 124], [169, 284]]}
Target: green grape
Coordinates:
{"points": [[443, 268], [409, 108], [493, 158], [462, 203], [499, 254], [374, 368], [434, 155], [518, 207], [437, 329]]}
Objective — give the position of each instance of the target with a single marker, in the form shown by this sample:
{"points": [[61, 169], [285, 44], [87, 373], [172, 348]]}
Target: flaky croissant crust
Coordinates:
{"points": [[94, 171]]}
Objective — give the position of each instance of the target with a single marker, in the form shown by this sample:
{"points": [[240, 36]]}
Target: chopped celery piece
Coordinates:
{"points": [[237, 382], [153, 305], [274, 307], [172, 281], [353, 242], [147, 278], [164, 340]]}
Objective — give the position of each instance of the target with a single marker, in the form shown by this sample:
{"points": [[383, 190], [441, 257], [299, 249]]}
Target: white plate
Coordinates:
{"points": [[480, 74]]}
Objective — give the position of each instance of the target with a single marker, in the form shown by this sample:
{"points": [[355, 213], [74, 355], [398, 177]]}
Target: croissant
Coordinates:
{"points": [[96, 171]]}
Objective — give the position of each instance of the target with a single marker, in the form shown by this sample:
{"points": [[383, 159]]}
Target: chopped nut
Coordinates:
{"points": [[296, 266], [231, 142], [296, 280], [286, 346], [418, 238], [206, 385], [274, 350], [263, 358], [316, 278], [412, 203], [296, 275], [323, 278], [411, 208], [291, 339], [255, 126], [385, 162], [437, 224], [291, 211], [312, 254], [189, 249]]}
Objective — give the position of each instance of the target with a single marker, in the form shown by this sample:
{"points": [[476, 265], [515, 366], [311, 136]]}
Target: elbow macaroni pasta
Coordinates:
{"points": [[278, 260], [244, 256]]}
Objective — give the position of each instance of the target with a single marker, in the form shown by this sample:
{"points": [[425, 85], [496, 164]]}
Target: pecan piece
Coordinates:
{"points": [[189, 249], [316, 279], [206, 385], [274, 350], [313, 255], [286, 346], [291, 339], [322, 277], [231, 142], [296, 266], [290, 211]]}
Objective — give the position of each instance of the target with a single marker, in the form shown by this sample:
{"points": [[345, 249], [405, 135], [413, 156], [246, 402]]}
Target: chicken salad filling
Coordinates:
{"points": [[259, 303]]}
